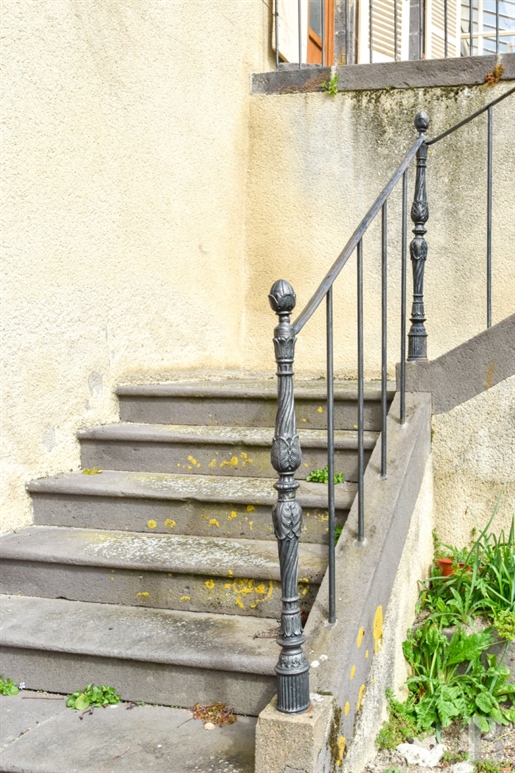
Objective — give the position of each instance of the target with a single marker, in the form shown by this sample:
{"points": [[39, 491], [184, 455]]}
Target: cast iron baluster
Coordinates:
{"points": [[417, 336], [292, 668]]}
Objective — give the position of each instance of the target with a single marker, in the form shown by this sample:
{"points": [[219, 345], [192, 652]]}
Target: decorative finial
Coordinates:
{"points": [[422, 122], [282, 297]]}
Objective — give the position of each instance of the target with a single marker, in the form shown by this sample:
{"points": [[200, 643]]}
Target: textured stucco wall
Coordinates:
{"points": [[474, 457], [125, 150], [318, 163]]}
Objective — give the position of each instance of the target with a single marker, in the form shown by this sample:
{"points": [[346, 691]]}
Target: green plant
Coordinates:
{"points": [[331, 86], [490, 766], [93, 696], [453, 757], [322, 476], [7, 687], [451, 682], [399, 726], [337, 533], [504, 622], [92, 471]]}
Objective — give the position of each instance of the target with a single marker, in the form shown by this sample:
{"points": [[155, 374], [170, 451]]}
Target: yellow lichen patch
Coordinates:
{"points": [[353, 672], [377, 629], [253, 606], [260, 588], [190, 467], [151, 524], [250, 508], [366, 654], [143, 593], [245, 459], [243, 586], [304, 421], [185, 598], [320, 410], [361, 634], [323, 517], [346, 708], [233, 514], [307, 515], [171, 524], [342, 745], [233, 462], [214, 522], [192, 460], [240, 603], [212, 463], [360, 697], [227, 585], [113, 570], [210, 584], [170, 574], [112, 579], [303, 586], [251, 525], [230, 572]]}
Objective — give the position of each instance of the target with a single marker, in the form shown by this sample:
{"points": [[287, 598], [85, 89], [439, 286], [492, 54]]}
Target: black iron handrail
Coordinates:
{"points": [[293, 669]]}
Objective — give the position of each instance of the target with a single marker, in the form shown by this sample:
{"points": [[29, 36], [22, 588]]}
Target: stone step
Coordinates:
{"points": [[197, 574], [156, 656], [200, 505], [246, 403], [238, 451]]}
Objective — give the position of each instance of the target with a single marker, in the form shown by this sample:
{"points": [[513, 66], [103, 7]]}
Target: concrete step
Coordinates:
{"points": [[201, 450], [156, 656], [38, 734], [198, 574], [200, 505], [246, 403]]}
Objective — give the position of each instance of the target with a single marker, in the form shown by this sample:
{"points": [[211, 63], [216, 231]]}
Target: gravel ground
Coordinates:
{"points": [[495, 746]]}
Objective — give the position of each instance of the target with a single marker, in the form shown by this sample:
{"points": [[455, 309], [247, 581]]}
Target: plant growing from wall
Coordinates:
{"points": [[322, 476], [7, 687], [93, 696], [331, 86]]}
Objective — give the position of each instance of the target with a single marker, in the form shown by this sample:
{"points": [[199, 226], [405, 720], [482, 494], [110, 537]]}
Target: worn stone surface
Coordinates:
{"points": [[159, 656], [120, 738], [239, 451], [245, 403], [20, 713], [179, 504], [149, 570], [385, 75], [468, 370], [286, 742]]}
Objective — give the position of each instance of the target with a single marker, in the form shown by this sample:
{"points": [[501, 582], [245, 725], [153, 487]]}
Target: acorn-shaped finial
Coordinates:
{"points": [[282, 297], [422, 122]]}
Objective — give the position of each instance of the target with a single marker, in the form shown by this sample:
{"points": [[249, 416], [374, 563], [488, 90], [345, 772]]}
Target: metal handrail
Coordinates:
{"points": [[317, 297], [470, 117], [293, 668]]}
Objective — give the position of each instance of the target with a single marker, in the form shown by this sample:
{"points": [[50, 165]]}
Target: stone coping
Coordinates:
{"points": [[431, 73]]}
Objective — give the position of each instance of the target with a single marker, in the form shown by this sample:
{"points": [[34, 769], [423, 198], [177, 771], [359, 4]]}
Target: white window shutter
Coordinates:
{"points": [[383, 31], [435, 29], [286, 30]]}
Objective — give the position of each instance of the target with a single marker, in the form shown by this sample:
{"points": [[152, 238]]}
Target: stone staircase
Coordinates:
{"points": [[159, 575]]}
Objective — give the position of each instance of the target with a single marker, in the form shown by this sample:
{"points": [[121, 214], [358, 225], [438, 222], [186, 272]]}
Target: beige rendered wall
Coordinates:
{"points": [[318, 163], [474, 460], [125, 152]]}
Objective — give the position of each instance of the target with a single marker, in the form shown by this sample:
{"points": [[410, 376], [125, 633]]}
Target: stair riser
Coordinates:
{"points": [[162, 517], [137, 681], [161, 590], [231, 460], [311, 414]]}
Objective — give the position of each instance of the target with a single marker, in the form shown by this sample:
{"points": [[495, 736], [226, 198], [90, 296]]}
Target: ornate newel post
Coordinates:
{"points": [[292, 668], [417, 336]]}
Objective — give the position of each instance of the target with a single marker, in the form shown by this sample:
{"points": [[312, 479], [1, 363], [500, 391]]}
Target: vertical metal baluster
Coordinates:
{"points": [[471, 38], [421, 26], [496, 26], [292, 668], [276, 16], [384, 340], [403, 293], [322, 14], [361, 400], [417, 348], [445, 27], [347, 36], [300, 32], [330, 452], [489, 222], [370, 31]]}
